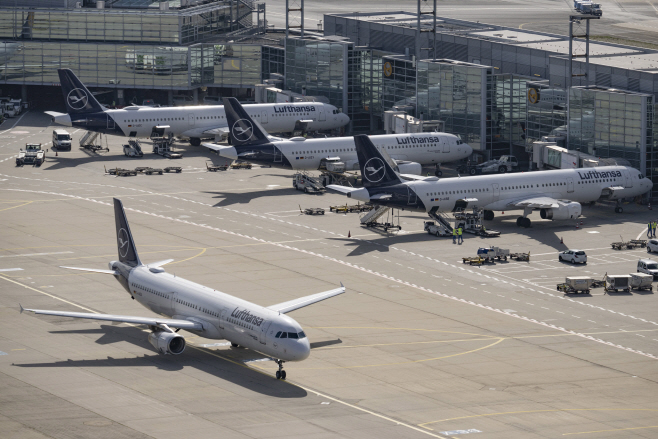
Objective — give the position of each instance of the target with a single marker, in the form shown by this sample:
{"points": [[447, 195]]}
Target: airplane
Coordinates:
{"points": [[557, 194], [201, 310], [195, 123], [251, 143]]}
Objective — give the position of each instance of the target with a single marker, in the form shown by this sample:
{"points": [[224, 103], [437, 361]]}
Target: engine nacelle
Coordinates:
{"points": [[565, 210], [167, 342], [412, 168]]}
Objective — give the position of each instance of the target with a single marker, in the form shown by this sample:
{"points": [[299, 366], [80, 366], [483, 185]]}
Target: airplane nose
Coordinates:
{"points": [[304, 348], [228, 152]]}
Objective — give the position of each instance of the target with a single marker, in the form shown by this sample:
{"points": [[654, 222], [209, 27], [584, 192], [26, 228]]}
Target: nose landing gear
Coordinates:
{"points": [[280, 374]]}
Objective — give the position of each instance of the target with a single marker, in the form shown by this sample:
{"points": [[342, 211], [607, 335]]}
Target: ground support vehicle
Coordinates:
{"points": [[472, 223], [474, 260], [492, 253], [149, 171], [588, 7], [648, 266], [633, 243], [162, 146], [436, 229], [32, 155], [240, 165], [617, 282], [115, 171], [642, 281], [61, 140], [308, 184], [215, 168], [506, 163], [523, 257], [125, 172], [176, 169], [88, 139], [598, 283], [576, 284], [133, 149], [312, 210], [652, 246], [573, 256], [353, 208]]}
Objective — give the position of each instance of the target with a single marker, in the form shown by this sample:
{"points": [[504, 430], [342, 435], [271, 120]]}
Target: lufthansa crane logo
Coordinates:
{"points": [[123, 242], [388, 69], [533, 95], [374, 170], [77, 99], [242, 130]]}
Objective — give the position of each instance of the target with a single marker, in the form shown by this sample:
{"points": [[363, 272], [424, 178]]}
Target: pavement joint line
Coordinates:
{"points": [[512, 314]]}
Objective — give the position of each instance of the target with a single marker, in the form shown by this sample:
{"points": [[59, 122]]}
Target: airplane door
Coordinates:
{"points": [[172, 304], [263, 332], [222, 318], [496, 191], [569, 184], [628, 181], [412, 199], [446, 145], [110, 122], [263, 118], [321, 116], [277, 155], [190, 119]]}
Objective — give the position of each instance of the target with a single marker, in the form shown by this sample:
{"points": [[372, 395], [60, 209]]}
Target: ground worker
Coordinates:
{"points": [[649, 231], [653, 228], [459, 234], [454, 235]]}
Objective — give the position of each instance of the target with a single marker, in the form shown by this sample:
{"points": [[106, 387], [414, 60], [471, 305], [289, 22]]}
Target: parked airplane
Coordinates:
{"points": [[201, 310], [251, 143], [557, 194], [200, 122]]}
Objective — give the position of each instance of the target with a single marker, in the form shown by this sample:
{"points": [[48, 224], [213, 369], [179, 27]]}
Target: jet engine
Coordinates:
{"points": [[565, 210], [167, 342], [405, 167]]}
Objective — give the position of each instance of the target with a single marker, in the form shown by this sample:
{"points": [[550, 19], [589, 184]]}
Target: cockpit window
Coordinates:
{"points": [[278, 334], [641, 176], [459, 142], [292, 335], [284, 335], [302, 335]]}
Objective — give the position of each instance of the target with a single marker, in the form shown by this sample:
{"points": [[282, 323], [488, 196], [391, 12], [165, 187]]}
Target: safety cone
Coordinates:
{"points": [[577, 225], [561, 240], [581, 222], [55, 153], [349, 234], [503, 212]]}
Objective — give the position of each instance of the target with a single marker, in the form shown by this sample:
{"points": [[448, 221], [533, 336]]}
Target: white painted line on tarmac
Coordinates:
{"points": [[34, 254], [11, 269]]}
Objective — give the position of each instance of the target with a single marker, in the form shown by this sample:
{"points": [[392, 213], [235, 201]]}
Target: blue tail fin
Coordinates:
{"points": [[126, 245], [78, 99], [375, 170], [242, 128]]}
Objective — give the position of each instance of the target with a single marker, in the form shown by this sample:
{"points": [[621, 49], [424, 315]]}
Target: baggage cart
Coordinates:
{"points": [[241, 165], [642, 243], [576, 284], [474, 260], [520, 256], [493, 252], [215, 168], [617, 282], [176, 169], [642, 281], [312, 210]]}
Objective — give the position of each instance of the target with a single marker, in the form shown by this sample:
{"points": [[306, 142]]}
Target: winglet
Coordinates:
{"points": [[22, 309], [342, 286]]}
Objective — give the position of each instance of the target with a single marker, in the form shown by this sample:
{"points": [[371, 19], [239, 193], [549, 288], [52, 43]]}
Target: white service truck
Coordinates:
{"points": [[588, 7], [506, 163]]}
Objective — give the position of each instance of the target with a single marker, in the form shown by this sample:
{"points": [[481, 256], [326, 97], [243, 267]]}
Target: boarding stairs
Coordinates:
{"points": [[374, 214], [441, 220], [88, 138]]}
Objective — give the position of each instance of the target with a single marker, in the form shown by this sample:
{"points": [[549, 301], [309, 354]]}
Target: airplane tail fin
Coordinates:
{"points": [[375, 170], [242, 128], [78, 99], [126, 245]]}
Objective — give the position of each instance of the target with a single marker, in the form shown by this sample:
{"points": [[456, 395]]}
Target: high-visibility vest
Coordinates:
{"points": [[454, 232], [459, 231]]}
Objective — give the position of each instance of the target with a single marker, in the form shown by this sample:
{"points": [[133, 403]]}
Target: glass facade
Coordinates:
{"points": [[546, 111], [613, 123], [508, 115], [274, 60], [111, 25], [462, 96]]}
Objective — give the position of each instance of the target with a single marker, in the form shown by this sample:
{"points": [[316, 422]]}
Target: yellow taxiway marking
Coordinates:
{"points": [[616, 429], [424, 425], [240, 364], [14, 207], [203, 250]]}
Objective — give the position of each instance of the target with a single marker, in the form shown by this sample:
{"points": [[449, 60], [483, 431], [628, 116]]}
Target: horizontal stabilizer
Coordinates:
{"points": [[159, 263], [174, 323], [342, 189], [381, 196], [92, 270], [292, 305], [54, 113]]}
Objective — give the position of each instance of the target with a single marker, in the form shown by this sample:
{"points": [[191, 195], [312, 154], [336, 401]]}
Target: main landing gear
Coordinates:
{"points": [[437, 171], [618, 208], [524, 221], [280, 374], [488, 215]]}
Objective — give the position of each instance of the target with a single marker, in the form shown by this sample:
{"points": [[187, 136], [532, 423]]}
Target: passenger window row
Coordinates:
{"points": [[240, 323], [464, 191]]}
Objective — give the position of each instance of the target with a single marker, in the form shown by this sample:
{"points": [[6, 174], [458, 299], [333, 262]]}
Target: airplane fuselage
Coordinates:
{"points": [[199, 121], [497, 192], [300, 153], [223, 316]]}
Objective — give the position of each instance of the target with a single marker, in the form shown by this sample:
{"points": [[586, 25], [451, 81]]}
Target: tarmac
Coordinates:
{"points": [[421, 345]]}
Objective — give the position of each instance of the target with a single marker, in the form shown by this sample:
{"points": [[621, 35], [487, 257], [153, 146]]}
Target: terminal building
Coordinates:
{"points": [[500, 89]]}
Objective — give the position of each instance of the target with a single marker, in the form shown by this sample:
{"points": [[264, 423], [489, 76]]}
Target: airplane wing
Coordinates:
{"points": [[294, 304], [93, 270], [152, 321], [342, 189], [536, 202]]}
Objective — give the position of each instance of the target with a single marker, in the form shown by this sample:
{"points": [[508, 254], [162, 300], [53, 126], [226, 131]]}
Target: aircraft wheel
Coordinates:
{"points": [[519, 220], [438, 173], [278, 375], [195, 141], [488, 215], [235, 345], [472, 171], [283, 374], [502, 169], [526, 222], [619, 209]]}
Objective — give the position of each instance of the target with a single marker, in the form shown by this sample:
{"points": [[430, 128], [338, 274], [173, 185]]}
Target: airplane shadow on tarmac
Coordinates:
{"points": [[231, 198], [228, 368]]}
